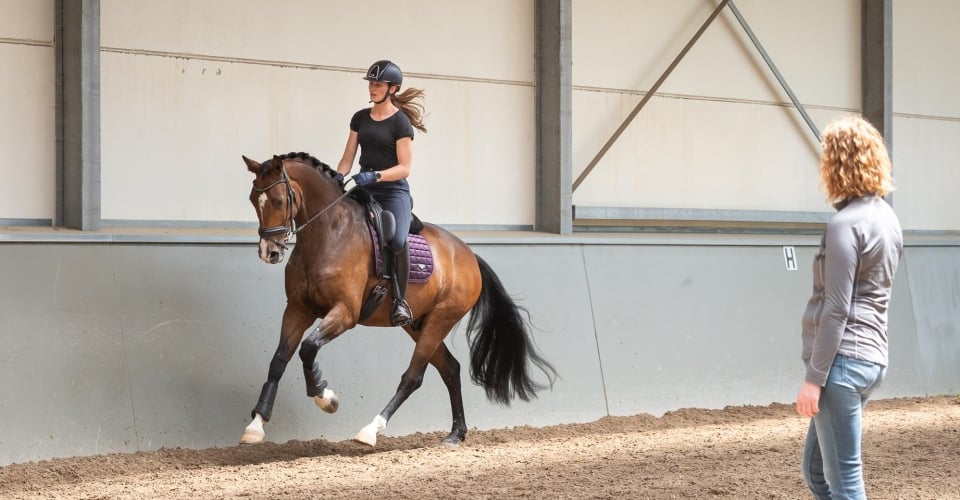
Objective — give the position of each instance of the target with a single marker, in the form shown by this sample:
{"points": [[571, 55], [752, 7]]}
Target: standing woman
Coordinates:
{"points": [[384, 134], [845, 323]]}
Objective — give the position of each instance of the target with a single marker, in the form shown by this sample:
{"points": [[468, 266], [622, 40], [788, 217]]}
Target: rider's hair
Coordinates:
{"points": [[409, 101]]}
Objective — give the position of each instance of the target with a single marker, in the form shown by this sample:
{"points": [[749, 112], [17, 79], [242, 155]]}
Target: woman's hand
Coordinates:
{"points": [[364, 178], [808, 400]]}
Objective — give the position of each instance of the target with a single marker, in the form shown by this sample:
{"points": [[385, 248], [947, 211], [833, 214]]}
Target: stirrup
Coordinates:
{"points": [[401, 315]]}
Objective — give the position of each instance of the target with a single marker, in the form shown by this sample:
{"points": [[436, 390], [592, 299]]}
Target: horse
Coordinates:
{"points": [[332, 269]]}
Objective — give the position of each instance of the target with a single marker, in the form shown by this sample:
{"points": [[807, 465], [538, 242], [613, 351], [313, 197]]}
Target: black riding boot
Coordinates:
{"points": [[401, 314]]}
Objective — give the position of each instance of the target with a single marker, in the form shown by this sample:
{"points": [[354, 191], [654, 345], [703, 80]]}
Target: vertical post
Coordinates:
{"points": [[553, 60], [77, 48], [876, 70]]}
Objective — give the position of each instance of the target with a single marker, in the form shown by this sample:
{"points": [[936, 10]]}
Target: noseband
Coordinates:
{"points": [[291, 228]]}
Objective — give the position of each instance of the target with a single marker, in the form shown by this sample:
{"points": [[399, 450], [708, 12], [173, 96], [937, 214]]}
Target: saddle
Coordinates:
{"points": [[382, 226]]}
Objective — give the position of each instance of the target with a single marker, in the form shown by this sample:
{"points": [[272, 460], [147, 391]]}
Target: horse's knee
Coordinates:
{"points": [[411, 383]]}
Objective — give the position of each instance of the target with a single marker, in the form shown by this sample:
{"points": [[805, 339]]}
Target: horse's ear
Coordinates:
{"points": [[252, 165]]}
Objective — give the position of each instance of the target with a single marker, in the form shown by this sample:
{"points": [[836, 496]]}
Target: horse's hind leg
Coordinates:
{"points": [[428, 342], [449, 369]]}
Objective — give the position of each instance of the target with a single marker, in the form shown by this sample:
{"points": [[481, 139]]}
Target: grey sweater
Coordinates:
{"points": [[852, 277]]}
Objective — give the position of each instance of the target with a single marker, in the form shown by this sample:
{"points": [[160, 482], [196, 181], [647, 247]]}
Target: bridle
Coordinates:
{"points": [[290, 229]]}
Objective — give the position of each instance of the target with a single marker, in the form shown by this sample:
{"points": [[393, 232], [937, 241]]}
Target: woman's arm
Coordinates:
{"points": [[349, 154], [841, 261], [404, 156]]}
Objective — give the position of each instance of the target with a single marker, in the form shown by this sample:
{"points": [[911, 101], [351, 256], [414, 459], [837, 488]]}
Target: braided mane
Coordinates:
{"points": [[307, 158]]}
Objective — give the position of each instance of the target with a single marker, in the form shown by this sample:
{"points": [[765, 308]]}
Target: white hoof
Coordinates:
{"points": [[329, 402], [253, 433], [368, 435]]}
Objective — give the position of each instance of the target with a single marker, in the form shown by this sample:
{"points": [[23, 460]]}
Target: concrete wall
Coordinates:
{"points": [[120, 346]]}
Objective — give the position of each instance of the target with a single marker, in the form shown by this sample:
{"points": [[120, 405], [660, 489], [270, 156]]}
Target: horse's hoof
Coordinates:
{"points": [[451, 444], [329, 402], [253, 433], [367, 438], [368, 435], [452, 441], [252, 436]]}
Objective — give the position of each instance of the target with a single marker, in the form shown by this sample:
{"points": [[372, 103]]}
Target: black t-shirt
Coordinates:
{"points": [[378, 139]]}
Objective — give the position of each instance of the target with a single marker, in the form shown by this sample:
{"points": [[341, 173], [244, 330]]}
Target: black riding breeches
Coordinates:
{"points": [[400, 204]]}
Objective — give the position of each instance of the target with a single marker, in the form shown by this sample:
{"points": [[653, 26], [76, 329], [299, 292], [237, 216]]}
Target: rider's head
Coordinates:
{"points": [[388, 73]]}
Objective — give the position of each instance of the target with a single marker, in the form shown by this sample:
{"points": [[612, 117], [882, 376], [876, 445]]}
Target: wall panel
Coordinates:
{"points": [[172, 347], [27, 105]]}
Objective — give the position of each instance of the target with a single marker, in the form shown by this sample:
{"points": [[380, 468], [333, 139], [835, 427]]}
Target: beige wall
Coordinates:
{"points": [[174, 127], [720, 133], [189, 86], [27, 104], [926, 105]]}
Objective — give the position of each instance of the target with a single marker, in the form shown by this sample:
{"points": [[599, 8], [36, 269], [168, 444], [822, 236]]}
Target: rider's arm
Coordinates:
{"points": [[349, 153], [404, 156]]}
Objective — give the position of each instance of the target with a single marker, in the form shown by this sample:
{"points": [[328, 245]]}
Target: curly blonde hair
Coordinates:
{"points": [[855, 162]]}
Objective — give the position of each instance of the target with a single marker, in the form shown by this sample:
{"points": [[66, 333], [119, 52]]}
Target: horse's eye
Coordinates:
{"points": [[277, 204]]}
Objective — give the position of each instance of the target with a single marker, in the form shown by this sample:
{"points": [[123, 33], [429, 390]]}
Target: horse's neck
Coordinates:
{"points": [[341, 222]]}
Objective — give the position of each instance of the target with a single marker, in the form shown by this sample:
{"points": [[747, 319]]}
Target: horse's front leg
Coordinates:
{"points": [[295, 322], [331, 326]]}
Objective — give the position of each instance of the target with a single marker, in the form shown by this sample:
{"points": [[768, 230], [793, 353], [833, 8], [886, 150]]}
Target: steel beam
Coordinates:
{"points": [[77, 48], [876, 70], [554, 197], [774, 70]]}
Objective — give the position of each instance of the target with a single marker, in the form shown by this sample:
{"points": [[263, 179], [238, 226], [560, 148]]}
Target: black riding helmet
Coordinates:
{"points": [[385, 71]]}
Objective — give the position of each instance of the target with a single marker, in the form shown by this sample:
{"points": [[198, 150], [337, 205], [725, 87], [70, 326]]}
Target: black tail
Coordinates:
{"points": [[502, 346]]}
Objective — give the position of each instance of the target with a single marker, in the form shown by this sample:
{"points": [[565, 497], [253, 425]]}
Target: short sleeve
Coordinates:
{"points": [[355, 121], [402, 126]]}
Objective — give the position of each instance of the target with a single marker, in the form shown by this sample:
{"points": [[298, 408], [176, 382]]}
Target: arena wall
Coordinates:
{"points": [[156, 331], [118, 345]]}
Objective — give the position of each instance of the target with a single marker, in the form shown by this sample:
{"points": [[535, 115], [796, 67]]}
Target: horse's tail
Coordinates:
{"points": [[500, 344]]}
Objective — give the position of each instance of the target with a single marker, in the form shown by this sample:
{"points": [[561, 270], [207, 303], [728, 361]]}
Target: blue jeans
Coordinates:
{"points": [[832, 466]]}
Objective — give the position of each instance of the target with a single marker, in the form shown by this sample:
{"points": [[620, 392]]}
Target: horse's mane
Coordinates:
{"points": [[307, 158]]}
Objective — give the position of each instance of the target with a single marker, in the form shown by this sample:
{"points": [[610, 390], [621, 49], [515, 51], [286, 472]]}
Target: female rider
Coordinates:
{"points": [[384, 134]]}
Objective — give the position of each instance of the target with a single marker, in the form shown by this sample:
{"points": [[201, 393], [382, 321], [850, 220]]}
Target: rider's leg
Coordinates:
{"points": [[399, 203], [401, 314]]}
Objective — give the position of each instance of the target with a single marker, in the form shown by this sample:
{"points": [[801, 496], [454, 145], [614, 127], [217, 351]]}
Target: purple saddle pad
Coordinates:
{"points": [[421, 257]]}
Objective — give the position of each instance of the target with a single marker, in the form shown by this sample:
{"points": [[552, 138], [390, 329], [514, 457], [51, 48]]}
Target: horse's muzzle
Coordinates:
{"points": [[270, 251]]}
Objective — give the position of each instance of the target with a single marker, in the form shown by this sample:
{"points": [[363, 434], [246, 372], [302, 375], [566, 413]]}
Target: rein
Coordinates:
{"points": [[291, 229]]}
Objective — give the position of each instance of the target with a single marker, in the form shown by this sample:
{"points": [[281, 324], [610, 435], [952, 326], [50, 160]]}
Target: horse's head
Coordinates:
{"points": [[275, 201], [281, 191]]}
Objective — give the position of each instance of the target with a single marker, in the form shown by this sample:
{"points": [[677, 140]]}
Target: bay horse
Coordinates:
{"points": [[330, 272]]}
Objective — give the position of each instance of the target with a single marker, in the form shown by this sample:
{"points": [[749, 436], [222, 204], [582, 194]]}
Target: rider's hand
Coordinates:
{"points": [[364, 178], [339, 178]]}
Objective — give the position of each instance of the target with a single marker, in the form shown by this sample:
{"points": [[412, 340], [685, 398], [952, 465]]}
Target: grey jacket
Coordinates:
{"points": [[852, 278]]}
